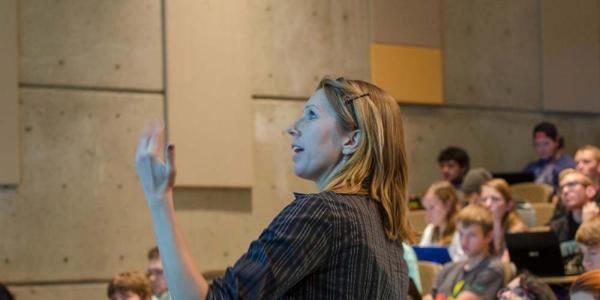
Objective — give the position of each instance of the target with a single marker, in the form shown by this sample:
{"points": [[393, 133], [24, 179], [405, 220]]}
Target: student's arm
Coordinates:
{"points": [[157, 178], [498, 232]]}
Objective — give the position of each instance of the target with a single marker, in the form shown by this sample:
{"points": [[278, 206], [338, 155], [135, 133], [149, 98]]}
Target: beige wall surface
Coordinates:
{"points": [[209, 109], [9, 107], [97, 44], [82, 291], [407, 22], [295, 43], [492, 53], [571, 59], [79, 213]]}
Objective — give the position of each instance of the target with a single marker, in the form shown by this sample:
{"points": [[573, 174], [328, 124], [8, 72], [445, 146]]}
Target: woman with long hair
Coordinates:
{"points": [[441, 205], [344, 242], [497, 197]]}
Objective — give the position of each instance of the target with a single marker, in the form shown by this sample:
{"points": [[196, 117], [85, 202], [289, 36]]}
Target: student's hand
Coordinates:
{"points": [[589, 211], [498, 210], [427, 297], [157, 175]]}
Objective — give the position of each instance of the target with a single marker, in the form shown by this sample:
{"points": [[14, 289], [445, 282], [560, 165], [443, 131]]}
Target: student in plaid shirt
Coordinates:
{"points": [[344, 242]]}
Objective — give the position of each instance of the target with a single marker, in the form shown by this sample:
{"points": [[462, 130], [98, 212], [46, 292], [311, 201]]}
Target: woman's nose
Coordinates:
{"points": [[293, 129]]}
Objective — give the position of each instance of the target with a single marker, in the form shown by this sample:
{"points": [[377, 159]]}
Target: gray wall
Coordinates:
{"points": [[91, 77]]}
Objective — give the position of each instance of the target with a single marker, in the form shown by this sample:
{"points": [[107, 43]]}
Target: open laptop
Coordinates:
{"points": [[539, 253], [438, 255], [515, 177]]}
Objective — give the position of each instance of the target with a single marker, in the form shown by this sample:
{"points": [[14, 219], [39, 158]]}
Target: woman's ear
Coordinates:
{"points": [[351, 144]]}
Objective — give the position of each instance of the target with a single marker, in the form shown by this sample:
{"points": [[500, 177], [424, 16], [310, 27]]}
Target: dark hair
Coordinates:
{"points": [[457, 154], [537, 288], [153, 253], [550, 131], [5, 293]]}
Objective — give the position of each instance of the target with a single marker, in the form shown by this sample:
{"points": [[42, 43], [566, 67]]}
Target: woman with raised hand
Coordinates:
{"points": [[344, 242], [497, 197]]}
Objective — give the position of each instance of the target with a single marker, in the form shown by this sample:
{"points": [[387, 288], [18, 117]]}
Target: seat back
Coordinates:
{"points": [[532, 192], [427, 272], [543, 212]]}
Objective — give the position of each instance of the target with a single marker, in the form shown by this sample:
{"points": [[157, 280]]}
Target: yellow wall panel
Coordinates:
{"points": [[410, 74]]}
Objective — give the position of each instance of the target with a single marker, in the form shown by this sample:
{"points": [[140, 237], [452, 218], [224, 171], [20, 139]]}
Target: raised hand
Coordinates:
{"points": [[589, 211], [155, 170]]}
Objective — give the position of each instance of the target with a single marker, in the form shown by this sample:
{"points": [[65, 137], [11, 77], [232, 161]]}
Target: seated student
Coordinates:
{"points": [[155, 273], [526, 287], [471, 185], [586, 286], [587, 159], [454, 164], [129, 286], [547, 145], [481, 275], [497, 198], [576, 193], [441, 206], [588, 237]]}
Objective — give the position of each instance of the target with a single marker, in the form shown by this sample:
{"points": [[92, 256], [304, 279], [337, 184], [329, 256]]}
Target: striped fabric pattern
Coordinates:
{"points": [[321, 246]]}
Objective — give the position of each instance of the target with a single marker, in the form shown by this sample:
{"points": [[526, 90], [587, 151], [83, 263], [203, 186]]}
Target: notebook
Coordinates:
{"points": [[539, 253], [438, 255]]}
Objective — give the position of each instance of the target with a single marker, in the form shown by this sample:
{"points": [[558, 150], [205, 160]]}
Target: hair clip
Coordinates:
{"points": [[348, 99]]}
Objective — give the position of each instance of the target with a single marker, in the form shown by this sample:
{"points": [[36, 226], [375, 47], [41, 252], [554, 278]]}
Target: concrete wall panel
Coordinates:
{"points": [[571, 60], [64, 292], [406, 22], [492, 53], [79, 212], [208, 78], [114, 44], [295, 43], [9, 112]]}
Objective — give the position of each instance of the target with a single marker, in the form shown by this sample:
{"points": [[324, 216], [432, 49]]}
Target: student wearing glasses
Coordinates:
{"points": [[344, 242], [576, 193]]}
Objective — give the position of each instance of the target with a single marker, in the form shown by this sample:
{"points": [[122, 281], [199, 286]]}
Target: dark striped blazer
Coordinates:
{"points": [[321, 246]]}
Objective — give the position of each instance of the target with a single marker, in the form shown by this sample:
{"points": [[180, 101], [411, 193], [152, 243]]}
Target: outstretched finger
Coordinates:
{"points": [[143, 142], [155, 145]]}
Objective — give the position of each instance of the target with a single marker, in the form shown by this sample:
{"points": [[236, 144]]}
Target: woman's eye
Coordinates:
{"points": [[311, 114]]}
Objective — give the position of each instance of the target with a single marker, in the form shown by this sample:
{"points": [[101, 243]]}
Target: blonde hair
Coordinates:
{"points": [[588, 282], [589, 232], [446, 193], [379, 165], [476, 215], [584, 179], [512, 218], [135, 282], [595, 150]]}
